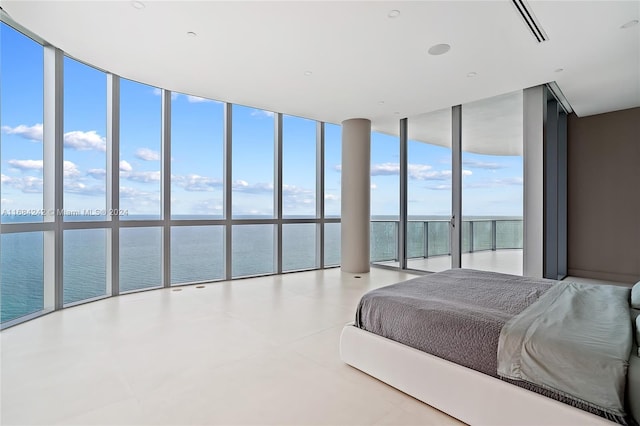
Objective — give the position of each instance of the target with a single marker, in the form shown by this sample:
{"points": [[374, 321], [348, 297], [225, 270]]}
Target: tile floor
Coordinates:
{"points": [[254, 351]]}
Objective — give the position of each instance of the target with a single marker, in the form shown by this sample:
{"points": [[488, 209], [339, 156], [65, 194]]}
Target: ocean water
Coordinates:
{"points": [[197, 255]]}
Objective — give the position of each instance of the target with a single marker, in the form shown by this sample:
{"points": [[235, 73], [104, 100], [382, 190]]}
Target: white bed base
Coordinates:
{"points": [[463, 393]]}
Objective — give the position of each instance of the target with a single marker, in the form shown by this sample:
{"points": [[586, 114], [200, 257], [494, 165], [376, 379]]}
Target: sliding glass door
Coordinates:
{"points": [[491, 181], [429, 191], [492, 184]]}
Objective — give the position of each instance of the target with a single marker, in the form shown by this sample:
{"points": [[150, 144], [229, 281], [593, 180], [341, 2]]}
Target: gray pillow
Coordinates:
{"points": [[635, 296]]}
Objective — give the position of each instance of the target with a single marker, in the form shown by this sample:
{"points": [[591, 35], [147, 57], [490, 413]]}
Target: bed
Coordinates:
{"points": [[445, 353]]}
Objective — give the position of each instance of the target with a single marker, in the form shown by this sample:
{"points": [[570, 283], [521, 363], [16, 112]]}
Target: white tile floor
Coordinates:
{"points": [[254, 351]]}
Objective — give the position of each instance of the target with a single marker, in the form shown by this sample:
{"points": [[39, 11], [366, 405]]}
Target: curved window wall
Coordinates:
{"points": [[111, 186]]}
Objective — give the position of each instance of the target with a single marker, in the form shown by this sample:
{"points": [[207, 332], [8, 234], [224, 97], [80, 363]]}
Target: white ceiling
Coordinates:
{"points": [[364, 64]]}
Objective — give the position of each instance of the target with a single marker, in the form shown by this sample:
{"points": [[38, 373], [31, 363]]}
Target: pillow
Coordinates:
{"points": [[635, 296]]}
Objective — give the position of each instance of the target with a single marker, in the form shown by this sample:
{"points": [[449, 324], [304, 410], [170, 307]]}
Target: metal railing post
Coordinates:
{"points": [[426, 239], [493, 234]]}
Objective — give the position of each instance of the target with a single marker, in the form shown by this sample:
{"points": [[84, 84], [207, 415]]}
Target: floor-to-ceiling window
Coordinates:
{"points": [[149, 188], [489, 135], [197, 190], [140, 185], [22, 284], [253, 195], [299, 193], [385, 198], [332, 192], [492, 184], [429, 192], [84, 181]]}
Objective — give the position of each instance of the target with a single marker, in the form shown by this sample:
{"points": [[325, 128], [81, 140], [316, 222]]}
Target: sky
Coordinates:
{"points": [[492, 184]]}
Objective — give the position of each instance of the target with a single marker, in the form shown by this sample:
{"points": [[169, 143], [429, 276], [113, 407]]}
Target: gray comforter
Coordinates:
{"points": [[575, 340], [456, 315]]}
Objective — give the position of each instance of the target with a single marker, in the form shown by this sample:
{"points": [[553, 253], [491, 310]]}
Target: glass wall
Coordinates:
{"points": [[429, 191], [21, 121], [197, 254], [107, 252], [85, 129], [21, 274], [140, 258], [85, 264], [22, 284], [253, 250], [197, 149], [385, 198], [253, 163], [332, 167], [492, 184], [140, 150], [299, 167], [299, 246]]}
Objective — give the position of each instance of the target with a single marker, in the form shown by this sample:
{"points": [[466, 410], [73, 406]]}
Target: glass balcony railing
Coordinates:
{"points": [[428, 238]]}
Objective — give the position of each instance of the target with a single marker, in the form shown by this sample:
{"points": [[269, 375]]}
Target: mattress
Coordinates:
{"points": [[457, 315]]}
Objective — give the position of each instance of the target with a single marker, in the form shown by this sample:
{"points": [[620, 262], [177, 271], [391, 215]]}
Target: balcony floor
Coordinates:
{"points": [[505, 261]]}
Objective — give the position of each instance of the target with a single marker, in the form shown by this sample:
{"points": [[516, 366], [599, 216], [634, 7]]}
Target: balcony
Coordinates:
{"points": [[490, 244]]}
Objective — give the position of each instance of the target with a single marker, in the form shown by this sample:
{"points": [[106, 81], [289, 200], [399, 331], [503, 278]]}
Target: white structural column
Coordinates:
{"points": [[356, 194]]}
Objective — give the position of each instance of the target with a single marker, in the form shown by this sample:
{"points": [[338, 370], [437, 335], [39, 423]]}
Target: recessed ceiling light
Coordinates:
{"points": [[472, 74], [138, 4], [629, 24], [191, 34], [439, 49], [558, 70], [308, 73], [394, 13]]}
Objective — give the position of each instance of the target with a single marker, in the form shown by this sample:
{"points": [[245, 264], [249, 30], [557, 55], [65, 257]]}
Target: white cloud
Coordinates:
{"points": [[385, 169], [497, 183], [133, 193], [76, 139], [85, 141], [261, 113], [474, 164], [374, 186], [414, 171], [147, 154], [27, 184], [197, 183], [331, 197], [197, 99], [255, 188], [26, 164], [97, 173], [33, 133], [125, 166], [145, 177], [70, 170]]}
